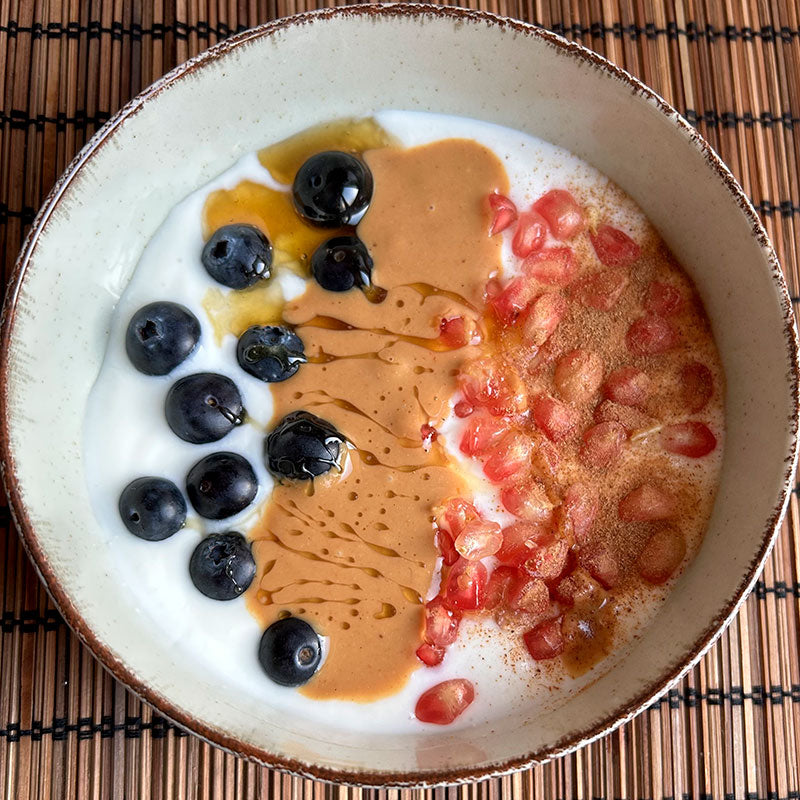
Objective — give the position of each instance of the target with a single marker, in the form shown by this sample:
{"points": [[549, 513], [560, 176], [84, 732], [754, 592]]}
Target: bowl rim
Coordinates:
{"points": [[670, 675]]}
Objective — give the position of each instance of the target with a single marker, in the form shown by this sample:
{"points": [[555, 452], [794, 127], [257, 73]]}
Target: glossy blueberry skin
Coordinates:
{"points": [[341, 264], [270, 353], [238, 256], [332, 189], [290, 652], [160, 336], [222, 566], [152, 508], [203, 407], [221, 485], [302, 446]]}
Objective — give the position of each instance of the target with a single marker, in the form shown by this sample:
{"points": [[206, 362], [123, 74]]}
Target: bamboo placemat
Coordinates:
{"points": [[731, 728]]}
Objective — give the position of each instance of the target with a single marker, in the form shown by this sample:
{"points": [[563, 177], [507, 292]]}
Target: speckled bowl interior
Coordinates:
{"points": [[263, 86]]}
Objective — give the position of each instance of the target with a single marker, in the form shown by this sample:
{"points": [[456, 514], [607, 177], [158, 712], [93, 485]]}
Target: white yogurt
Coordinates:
{"points": [[126, 436]]}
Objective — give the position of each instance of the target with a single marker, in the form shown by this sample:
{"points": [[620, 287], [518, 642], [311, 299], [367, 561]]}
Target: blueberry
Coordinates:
{"points": [[342, 263], [290, 651], [302, 446], [152, 508], [238, 256], [222, 566], [221, 485], [160, 336], [269, 352], [332, 189], [203, 407]]}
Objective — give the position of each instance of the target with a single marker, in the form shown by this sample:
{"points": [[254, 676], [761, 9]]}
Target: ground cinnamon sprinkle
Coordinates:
{"points": [[610, 555]]}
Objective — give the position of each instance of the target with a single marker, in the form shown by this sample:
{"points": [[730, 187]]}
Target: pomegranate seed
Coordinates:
{"points": [[493, 385], [466, 586], [457, 514], [601, 563], [529, 594], [562, 213], [697, 386], [646, 503], [456, 332], [446, 701], [545, 641], [553, 266], [498, 586], [530, 234], [627, 386], [555, 418], [548, 563], [603, 289], [510, 456], [519, 540], [493, 288], [430, 655], [480, 434], [543, 317], [446, 547], [613, 247], [529, 502], [663, 299], [580, 588], [545, 457], [691, 439], [513, 298], [632, 419], [462, 409], [581, 504], [578, 375], [602, 444], [479, 539], [505, 213], [661, 556], [428, 433], [441, 624], [651, 335]]}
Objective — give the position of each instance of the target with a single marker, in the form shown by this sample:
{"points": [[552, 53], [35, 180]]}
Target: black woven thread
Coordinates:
{"points": [[134, 727], [780, 589], [784, 207], [117, 31], [736, 696], [26, 214], [729, 119], [203, 30], [87, 728], [766, 208], [18, 119], [31, 621], [21, 119]]}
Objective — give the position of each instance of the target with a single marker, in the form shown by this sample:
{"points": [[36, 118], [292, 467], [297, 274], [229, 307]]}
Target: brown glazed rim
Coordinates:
{"points": [[366, 778]]}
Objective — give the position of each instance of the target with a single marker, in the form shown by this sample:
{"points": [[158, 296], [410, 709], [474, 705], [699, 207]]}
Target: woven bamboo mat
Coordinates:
{"points": [[731, 728]]}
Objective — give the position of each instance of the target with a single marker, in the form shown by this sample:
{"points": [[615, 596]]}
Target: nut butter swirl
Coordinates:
{"points": [[354, 554]]}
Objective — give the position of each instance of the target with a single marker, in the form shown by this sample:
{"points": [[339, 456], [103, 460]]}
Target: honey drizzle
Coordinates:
{"points": [[411, 594], [380, 549], [272, 211], [322, 357], [403, 441], [333, 324], [427, 290]]}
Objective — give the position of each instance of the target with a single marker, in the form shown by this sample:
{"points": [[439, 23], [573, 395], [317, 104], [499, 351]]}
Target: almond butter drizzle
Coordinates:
{"points": [[355, 554]]}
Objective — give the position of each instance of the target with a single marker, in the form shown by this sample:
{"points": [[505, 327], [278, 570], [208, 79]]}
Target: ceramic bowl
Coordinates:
{"points": [[270, 82]]}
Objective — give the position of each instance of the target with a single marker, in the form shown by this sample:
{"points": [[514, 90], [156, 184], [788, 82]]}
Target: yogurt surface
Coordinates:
{"points": [[126, 436]]}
